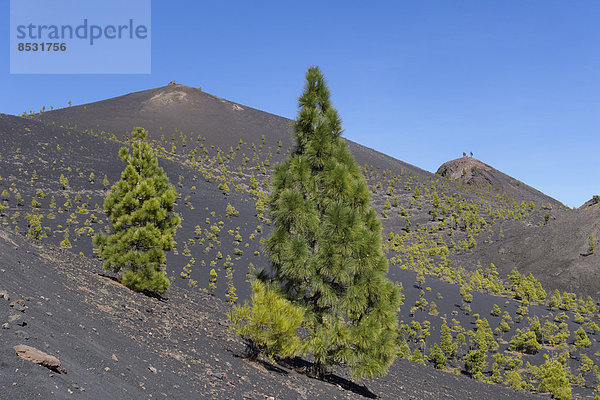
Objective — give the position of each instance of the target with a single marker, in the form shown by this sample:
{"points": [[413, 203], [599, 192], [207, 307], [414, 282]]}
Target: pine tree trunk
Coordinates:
{"points": [[318, 370], [252, 350]]}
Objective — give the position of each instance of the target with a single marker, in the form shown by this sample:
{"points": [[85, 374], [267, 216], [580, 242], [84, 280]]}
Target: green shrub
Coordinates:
{"points": [[475, 363], [552, 378], [268, 324], [581, 339], [437, 357], [525, 342], [495, 310]]}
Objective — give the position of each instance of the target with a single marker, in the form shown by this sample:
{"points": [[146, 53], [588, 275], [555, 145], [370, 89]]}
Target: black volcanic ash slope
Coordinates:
{"points": [[557, 251], [175, 109], [115, 343], [188, 124], [432, 224], [35, 155]]}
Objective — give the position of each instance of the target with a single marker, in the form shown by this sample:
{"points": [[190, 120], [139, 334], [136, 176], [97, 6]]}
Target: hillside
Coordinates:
{"points": [[476, 173], [237, 144], [557, 252], [441, 237], [176, 109], [114, 343]]}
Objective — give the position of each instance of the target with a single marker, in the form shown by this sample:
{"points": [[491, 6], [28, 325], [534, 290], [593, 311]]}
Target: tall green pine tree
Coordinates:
{"points": [[140, 208], [326, 244]]}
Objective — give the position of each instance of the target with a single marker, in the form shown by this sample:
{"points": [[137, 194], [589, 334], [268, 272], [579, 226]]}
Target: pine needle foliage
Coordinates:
{"points": [[325, 247], [552, 377], [140, 209], [268, 324]]}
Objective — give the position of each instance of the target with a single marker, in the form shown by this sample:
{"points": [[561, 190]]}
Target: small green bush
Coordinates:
{"points": [[269, 324], [437, 357], [552, 378], [525, 342], [495, 310], [581, 339], [475, 363]]}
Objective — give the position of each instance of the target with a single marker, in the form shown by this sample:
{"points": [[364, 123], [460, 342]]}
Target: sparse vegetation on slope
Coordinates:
{"points": [[455, 249]]}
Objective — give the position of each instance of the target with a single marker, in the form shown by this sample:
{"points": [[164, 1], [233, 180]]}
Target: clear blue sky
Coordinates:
{"points": [[515, 82]]}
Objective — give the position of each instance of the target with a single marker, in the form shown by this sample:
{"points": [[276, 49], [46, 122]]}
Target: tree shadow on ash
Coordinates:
{"points": [[266, 364], [302, 366], [148, 293]]}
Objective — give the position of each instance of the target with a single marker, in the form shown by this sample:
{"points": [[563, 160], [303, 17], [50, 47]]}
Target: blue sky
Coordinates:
{"points": [[515, 82]]}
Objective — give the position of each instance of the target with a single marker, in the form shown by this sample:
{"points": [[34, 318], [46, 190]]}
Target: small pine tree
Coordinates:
{"points": [[525, 341], [269, 324], [555, 300], [36, 230], [64, 181], [553, 378], [484, 337], [475, 363], [66, 244], [591, 244], [140, 208], [212, 282], [230, 211], [448, 345], [495, 310], [514, 380], [581, 339], [417, 357], [437, 357], [404, 350]]}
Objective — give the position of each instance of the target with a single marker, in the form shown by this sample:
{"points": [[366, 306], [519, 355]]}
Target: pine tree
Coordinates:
{"points": [[581, 339], [437, 357], [140, 208], [66, 243], [484, 337], [269, 324], [475, 363], [326, 249], [446, 341], [553, 378]]}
